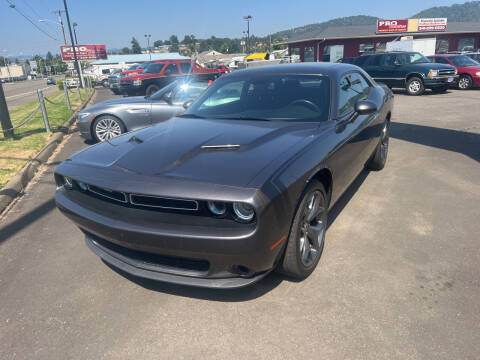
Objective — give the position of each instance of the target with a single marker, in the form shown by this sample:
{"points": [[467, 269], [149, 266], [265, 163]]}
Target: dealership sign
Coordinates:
{"points": [[392, 26], [84, 52], [411, 25]]}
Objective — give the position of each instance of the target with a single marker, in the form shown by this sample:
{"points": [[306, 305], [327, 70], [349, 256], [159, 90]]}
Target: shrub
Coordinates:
{"points": [[60, 84]]}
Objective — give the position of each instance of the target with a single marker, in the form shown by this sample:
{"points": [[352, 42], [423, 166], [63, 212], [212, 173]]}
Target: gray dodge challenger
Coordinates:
{"points": [[237, 186], [111, 118]]}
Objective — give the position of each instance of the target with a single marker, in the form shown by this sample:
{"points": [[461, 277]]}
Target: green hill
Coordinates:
{"points": [[469, 11]]}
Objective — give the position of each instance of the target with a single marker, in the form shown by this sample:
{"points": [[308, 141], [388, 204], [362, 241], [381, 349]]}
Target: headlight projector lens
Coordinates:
{"points": [[217, 207], [243, 211]]}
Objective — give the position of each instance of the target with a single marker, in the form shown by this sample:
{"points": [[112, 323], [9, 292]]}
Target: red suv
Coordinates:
{"points": [[468, 69], [138, 69], [160, 73]]}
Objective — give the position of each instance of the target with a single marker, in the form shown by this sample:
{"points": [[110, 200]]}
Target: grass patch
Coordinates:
{"points": [[32, 137]]}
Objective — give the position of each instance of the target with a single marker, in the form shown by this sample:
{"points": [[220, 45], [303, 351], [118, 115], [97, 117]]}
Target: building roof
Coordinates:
{"points": [[137, 58], [348, 32]]}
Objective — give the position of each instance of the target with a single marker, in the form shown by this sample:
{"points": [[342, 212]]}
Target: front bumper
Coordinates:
{"points": [[177, 248], [440, 81], [84, 128]]}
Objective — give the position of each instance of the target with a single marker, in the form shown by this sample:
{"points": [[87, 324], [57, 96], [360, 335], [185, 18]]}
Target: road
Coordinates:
{"points": [[398, 279], [22, 92]]}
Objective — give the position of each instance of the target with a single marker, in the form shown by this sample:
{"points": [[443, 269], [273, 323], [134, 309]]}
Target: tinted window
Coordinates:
{"points": [[353, 87], [266, 97], [375, 60], [171, 69], [186, 68], [360, 60], [106, 71], [392, 59], [153, 68], [440, 60]]}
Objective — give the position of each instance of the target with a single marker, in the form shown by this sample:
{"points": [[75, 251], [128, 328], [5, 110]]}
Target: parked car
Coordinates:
{"points": [[222, 69], [468, 69], [114, 81], [111, 118], [409, 70], [239, 185], [71, 82], [51, 81], [159, 74]]}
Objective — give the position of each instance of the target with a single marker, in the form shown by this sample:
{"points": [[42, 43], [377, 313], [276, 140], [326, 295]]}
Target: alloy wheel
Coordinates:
{"points": [[107, 129], [414, 86], [464, 82], [312, 230]]}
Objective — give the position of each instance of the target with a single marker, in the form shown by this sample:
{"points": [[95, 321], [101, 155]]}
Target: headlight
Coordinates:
{"points": [[137, 82], [83, 115], [244, 212], [68, 182], [477, 73], [217, 207], [433, 73]]}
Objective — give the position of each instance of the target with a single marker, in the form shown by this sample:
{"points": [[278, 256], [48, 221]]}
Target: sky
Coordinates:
{"points": [[114, 22]]}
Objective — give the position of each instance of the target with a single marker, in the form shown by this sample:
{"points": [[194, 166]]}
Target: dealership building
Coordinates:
{"points": [[337, 42]]}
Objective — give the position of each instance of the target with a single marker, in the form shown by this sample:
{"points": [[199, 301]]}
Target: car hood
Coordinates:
{"points": [[178, 148], [113, 102], [434, 66]]}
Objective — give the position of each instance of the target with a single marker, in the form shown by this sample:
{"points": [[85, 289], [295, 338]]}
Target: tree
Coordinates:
{"points": [[173, 39], [157, 43], [224, 48], [173, 48], [49, 58], [136, 49], [125, 50]]}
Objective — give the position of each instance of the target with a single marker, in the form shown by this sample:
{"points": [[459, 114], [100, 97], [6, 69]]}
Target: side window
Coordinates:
{"points": [[225, 94], [441, 60], [375, 60], [171, 69], [353, 87], [186, 68]]}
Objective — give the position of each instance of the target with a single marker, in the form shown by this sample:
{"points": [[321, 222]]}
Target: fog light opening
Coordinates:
{"points": [[242, 270]]}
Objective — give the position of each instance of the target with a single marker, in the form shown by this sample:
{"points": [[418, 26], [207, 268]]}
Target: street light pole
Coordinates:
{"points": [[75, 32], [148, 36], [77, 65], [248, 18]]}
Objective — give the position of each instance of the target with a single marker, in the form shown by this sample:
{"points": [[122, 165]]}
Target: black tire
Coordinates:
{"points": [[441, 89], [465, 82], [295, 262], [151, 89], [379, 157], [115, 122], [415, 86]]}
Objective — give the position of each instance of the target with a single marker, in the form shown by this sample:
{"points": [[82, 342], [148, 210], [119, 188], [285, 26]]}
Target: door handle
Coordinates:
{"points": [[137, 111]]}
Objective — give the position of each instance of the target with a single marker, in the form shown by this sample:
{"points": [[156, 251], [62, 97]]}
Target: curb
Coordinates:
{"points": [[17, 184]]}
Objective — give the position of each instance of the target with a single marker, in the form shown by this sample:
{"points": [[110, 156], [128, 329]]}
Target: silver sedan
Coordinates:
{"points": [[108, 119]]}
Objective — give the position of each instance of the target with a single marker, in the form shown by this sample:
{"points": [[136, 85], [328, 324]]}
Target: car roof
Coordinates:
{"points": [[446, 55], [312, 68]]}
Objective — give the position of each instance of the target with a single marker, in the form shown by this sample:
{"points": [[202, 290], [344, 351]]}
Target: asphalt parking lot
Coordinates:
{"points": [[399, 277]]}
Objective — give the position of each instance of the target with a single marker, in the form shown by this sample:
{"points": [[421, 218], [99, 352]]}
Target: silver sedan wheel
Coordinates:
{"points": [[107, 128], [415, 86], [464, 83], [312, 230]]}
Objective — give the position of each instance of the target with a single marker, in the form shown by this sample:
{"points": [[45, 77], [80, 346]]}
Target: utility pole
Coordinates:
{"points": [[248, 18], [77, 65], [148, 36], [5, 116], [60, 21]]}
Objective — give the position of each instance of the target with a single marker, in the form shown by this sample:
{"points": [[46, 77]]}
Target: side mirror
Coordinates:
{"points": [[365, 107], [187, 104]]}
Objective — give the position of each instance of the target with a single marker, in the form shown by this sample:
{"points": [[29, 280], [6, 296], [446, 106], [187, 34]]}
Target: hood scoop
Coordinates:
{"points": [[221, 147]]}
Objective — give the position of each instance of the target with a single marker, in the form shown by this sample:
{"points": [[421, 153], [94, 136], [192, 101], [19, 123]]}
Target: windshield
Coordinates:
{"points": [[133, 67], [181, 92], [153, 68], [270, 97], [463, 60]]}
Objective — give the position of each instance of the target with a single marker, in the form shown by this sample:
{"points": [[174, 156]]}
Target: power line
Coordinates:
{"points": [[30, 21], [39, 16]]}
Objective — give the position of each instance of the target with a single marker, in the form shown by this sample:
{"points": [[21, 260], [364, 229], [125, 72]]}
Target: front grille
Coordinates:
{"points": [[157, 260], [138, 200], [163, 203], [446, 72]]}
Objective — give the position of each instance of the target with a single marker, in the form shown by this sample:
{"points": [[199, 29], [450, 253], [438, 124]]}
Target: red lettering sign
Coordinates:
{"points": [[84, 52]]}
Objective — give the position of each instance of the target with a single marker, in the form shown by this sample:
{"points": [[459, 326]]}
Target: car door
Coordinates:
{"points": [[347, 158], [373, 66], [391, 71]]}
